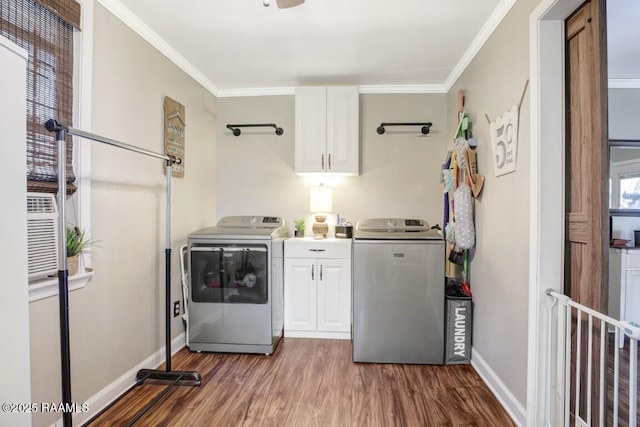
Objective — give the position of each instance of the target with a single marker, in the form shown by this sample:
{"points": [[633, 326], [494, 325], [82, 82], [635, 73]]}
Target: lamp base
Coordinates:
{"points": [[320, 228]]}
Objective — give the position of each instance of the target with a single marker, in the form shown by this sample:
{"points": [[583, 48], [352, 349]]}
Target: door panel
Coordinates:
{"points": [[587, 172], [300, 294], [334, 295]]}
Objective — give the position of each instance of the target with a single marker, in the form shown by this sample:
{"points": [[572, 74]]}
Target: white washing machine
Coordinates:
{"points": [[398, 292], [236, 287]]}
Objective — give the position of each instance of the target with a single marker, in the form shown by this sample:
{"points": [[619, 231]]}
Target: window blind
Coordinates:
{"points": [[45, 29]]}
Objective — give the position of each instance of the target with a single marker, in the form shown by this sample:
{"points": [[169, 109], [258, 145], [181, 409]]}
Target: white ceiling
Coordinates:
{"points": [[238, 46]]}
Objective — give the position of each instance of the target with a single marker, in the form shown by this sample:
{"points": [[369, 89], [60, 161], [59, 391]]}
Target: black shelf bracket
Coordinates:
{"points": [[425, 127], [236, 131]]}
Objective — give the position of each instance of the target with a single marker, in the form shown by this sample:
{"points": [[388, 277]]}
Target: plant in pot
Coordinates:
{"points": [[299, 225], [77, 242]]}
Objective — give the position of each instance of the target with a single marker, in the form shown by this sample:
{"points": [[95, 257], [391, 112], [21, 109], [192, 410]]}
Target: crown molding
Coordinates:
{"points": [[485, 32], [394, 89], [256, 91], [624, 83], [133, 22], [365, 89]]}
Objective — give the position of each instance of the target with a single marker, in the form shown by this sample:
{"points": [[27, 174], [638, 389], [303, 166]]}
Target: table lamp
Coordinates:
{"points": [[320, 203]]}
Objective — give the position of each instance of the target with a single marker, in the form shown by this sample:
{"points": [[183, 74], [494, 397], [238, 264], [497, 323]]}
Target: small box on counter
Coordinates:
{"points": [[344, 231]]}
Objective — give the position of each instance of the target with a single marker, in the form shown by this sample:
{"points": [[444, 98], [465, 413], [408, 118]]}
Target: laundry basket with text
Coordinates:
{"points": [[458, 323]]}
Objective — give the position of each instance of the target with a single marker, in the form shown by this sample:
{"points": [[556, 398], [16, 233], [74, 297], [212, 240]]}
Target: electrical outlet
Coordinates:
{"points": [[176, 308]]}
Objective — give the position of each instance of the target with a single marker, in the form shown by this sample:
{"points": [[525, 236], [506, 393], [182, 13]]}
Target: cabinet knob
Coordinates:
{"points": [[322, 161], [329, 158], [317, 250], [321, 272], [312, 273]]}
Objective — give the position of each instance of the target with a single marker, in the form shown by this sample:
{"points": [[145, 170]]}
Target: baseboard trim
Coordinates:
{"points": [[112, 391], [318, 334], [516, 411]]}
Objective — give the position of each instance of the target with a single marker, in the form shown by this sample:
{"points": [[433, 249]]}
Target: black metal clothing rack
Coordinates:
{"points": [[167, 374]]}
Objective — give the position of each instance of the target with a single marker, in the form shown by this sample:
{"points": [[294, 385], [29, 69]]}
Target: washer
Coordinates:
{"points": [[236, 288], [398, 292]]}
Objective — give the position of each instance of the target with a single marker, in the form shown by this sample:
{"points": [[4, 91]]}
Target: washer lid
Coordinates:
{"points": [[395, 229]]}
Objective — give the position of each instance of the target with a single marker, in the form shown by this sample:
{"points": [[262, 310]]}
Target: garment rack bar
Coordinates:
{"points": [[54, 126]]}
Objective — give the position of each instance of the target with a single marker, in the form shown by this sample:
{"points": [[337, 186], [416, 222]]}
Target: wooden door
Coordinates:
{"points": [[587, 172]]}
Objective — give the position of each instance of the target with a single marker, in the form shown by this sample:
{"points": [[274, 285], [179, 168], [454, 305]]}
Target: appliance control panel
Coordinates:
{"points": [[392, 225], [251, 221]]}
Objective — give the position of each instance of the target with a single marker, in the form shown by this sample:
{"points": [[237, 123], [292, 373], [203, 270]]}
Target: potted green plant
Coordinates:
{"points": [[77, 242], [299, 225]]}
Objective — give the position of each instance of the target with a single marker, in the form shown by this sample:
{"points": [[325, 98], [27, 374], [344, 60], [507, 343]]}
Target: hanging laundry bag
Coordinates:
{"points": [[465, 230]]}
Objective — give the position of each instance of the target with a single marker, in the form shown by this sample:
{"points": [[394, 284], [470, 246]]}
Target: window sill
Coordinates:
{"points": [[46, 288]]}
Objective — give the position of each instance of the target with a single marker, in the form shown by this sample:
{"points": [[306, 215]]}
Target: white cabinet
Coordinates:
{"points": [[317, 288], [630, 287], [327, 130]]}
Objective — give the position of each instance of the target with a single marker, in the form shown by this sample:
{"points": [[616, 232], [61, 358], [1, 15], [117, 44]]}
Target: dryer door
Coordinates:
{"points": [[229, 273]]}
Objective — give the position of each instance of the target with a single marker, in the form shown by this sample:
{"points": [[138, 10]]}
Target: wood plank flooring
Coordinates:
{"points": [[309, 382], [623, 386]]}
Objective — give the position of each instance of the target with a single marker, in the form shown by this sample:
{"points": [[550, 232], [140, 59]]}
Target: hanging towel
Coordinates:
{"points": [[465, 230]]}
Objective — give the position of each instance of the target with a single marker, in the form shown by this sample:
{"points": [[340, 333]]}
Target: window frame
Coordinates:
{"points": [[78, 204]]}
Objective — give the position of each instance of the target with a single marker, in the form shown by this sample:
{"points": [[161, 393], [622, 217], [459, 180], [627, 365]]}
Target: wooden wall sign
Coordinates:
{"points": [[174, 128]]}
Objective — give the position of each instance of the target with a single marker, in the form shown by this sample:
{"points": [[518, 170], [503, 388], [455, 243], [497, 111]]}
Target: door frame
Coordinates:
{"points": [[547, 210]]}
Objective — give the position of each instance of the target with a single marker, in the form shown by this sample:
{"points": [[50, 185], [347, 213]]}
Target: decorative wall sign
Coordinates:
{"points": [[504, 141], [174, 127]]}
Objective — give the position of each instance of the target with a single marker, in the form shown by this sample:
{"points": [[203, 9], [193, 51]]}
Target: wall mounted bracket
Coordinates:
{"points": [[236, 131], [425, 127]]}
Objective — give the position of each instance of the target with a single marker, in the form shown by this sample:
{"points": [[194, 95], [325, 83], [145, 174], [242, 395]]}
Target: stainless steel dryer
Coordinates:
{"points": [[236, 285], [398, 292]]}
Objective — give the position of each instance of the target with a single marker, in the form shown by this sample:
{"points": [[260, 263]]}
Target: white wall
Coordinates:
{"points": [[624, 110], [117, 320], [15, 386], [399, 171], [492, 84]]}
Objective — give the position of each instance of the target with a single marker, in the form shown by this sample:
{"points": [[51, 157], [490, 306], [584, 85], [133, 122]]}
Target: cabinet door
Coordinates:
{"points": [[334, 295], [311, 129], [343, 115], [632, 297], [299, 294]]}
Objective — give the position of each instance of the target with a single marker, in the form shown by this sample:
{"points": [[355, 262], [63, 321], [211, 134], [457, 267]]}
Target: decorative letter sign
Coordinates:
{"points": [[504, 141]]}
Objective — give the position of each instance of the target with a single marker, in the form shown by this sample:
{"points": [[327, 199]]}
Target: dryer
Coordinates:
{"points": [[236, 288]]}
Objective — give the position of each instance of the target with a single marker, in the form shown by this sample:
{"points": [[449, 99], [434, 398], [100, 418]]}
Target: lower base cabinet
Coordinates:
{"points": [[317, 288]]}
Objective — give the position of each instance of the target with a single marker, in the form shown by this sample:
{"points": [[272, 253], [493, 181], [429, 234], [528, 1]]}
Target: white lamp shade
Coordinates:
{"points": [[321, 199]]}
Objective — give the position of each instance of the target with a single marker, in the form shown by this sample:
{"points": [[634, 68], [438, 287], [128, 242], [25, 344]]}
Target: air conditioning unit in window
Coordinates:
{"points": [[42, 235]]}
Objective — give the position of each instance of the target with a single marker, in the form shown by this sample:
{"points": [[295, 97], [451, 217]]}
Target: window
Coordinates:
{"points": [[629, 191], [624, 180], [45, 29]]}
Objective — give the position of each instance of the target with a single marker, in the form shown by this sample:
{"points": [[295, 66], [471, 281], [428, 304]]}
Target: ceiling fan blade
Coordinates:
{"points": [[283, 4]]}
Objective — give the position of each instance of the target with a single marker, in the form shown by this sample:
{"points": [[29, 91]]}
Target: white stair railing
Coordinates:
{"points": [[559, 411]]}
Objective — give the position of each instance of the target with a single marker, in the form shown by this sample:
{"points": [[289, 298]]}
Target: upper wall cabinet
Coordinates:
{"points": [[327, 130]]}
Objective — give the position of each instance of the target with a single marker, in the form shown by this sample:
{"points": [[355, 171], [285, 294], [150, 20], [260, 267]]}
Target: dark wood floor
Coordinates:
{"points": [[310, 382], [623, 387]]}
